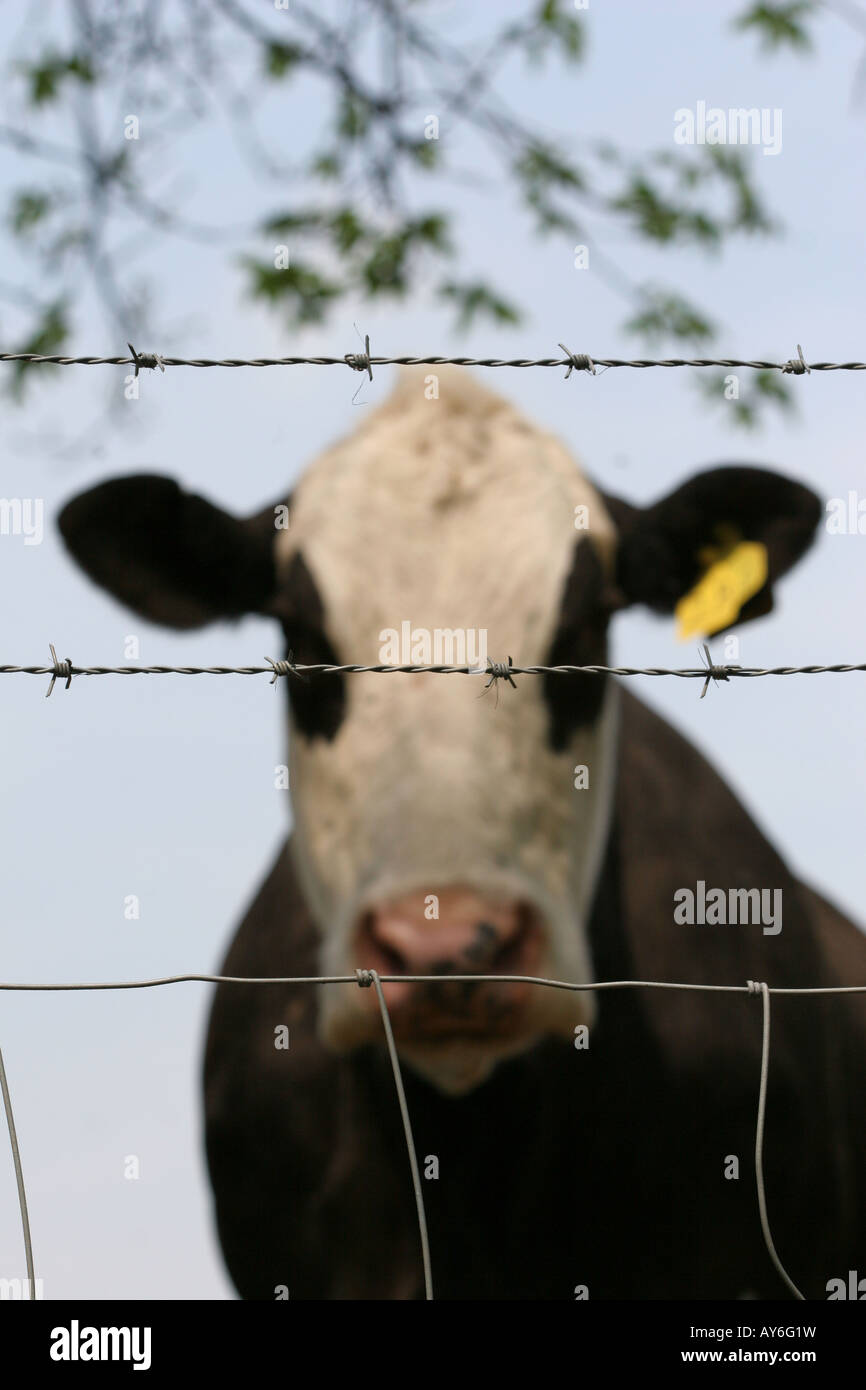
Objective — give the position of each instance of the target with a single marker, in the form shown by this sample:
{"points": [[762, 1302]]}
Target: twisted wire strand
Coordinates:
{"points": [[365, 361], [66, 669]]}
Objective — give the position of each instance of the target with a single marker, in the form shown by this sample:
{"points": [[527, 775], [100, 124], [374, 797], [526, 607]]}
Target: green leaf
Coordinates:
{"points": [[27, 210], [659, 220], [432, 228], [549, 218], [757, 390], [284, 223], [353, 118], [557, 26], [384, 270], [346, 229], [326, 165], [280, 59], [474, 299], [49, 336], [81, 68], [300, 289], [540, 170], [749, 214], [422, 152], [778, 24], [539, 165], [665, 314], [46, 77], [772, 386]]}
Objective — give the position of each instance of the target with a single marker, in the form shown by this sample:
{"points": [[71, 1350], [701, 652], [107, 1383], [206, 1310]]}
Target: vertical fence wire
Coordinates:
{"points": [[759, 1144], [366, 978], [19, 1175]]}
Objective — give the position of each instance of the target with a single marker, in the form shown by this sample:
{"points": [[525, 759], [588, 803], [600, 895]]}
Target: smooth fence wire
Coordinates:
{"points": [[762, 989], [19, 1175], [366, 978]]}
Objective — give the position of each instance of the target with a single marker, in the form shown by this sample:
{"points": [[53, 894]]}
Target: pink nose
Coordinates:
{"points": [[472, 934]]}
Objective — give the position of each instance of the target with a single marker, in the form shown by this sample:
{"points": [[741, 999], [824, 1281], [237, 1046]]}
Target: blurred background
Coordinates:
{"points": [[258, 126]]}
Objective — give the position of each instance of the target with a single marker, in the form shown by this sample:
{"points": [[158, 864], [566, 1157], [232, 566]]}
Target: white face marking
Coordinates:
{"points": [[449, 513]]}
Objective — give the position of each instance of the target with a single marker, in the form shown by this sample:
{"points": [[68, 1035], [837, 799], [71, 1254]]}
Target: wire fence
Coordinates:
{"points": [[365, 362], [368, 978], [710, 672]]}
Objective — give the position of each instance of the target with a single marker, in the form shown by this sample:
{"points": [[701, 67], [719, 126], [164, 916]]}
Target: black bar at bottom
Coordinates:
{"points": [[308, 1340]]}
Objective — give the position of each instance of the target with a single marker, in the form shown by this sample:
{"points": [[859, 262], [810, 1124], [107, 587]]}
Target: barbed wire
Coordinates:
{"points": [[364, 362], [710, 672], [366, 978]]}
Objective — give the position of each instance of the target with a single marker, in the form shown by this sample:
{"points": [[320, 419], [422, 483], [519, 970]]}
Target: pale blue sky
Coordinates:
{"points": [[164, 788]]}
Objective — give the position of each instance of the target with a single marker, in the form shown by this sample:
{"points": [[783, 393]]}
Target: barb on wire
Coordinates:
{"points": [[286, 667], [714, 673], [146, 359], [360, 361], [19, 1176], [797, 364], [60, 670], [578, 361], [65, 670], [499, 671], [364, 361]]}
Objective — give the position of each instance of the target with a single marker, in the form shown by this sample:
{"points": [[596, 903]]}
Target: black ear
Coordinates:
{"points": [[170, 555], [658, 551]]}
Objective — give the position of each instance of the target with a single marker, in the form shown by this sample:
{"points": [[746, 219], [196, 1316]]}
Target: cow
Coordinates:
{"points": [[573, 1143]]}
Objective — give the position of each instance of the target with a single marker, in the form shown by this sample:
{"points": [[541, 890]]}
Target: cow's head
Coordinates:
{"points": [[438, 827]]}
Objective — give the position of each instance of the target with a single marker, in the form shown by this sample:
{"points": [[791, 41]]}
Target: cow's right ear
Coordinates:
{"points": [[171, 555], [661, 549]]}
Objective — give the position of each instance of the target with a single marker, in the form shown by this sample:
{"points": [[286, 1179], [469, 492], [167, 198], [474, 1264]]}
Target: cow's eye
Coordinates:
{"points": [[580, 639], [318, 701]]}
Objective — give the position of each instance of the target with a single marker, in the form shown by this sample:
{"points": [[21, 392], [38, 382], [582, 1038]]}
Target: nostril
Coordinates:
{"points": [[509, 956], [484, 946], [384, 957], [395, 963], [496, 951], [394, 941]]}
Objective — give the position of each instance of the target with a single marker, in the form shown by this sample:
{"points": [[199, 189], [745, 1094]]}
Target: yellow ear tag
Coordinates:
{"points": [[737, 570]]}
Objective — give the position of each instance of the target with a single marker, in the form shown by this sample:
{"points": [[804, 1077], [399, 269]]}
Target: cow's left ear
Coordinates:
{"points": [[171, 555], [662, 549]]}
